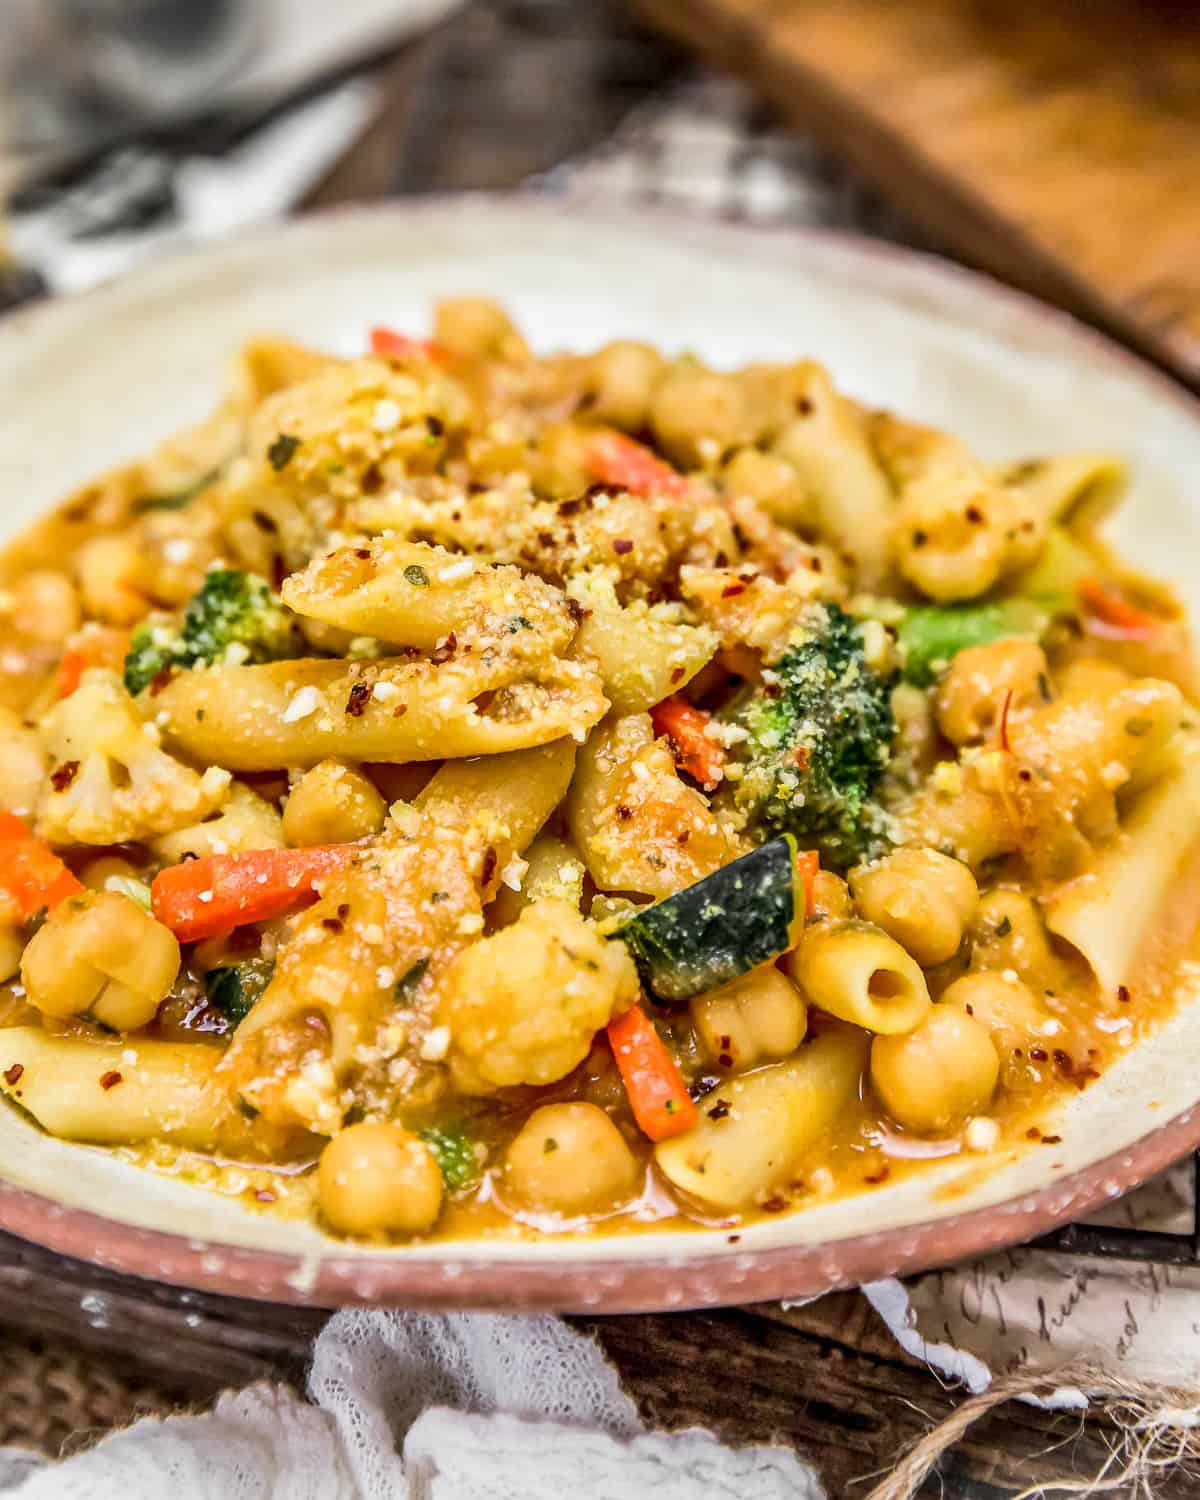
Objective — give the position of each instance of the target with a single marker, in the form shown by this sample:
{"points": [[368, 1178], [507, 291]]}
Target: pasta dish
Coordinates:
{"points": [[458, 792]]}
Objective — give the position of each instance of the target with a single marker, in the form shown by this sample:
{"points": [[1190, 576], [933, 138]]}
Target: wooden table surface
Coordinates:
{"points": [[827, 1379]]}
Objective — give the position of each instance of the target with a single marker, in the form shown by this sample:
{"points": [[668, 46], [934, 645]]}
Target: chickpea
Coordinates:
{"points": [[334, 803], [570, 1159], [1008, 933], [921, 898], [619, 382], [97, 872], [773, 483], [972, 694], [100, 953], [22, 764], [1091, 677], [1010, 1013], [943, 550], [476, 328], [698, 415], [45, 606], [558, 465], [935, 1076], [110, 574], [12, 944], [378, 1178], [757, 1018]]}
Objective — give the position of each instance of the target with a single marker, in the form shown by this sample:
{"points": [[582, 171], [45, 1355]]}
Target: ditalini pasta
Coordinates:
{"points": [[456, 790]]}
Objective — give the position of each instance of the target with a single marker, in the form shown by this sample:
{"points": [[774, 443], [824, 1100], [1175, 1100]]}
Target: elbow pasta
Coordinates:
{"points": [[492, 792]]}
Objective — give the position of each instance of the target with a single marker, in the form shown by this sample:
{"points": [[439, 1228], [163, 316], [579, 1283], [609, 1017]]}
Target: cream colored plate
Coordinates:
{"points": [[89, 382]]}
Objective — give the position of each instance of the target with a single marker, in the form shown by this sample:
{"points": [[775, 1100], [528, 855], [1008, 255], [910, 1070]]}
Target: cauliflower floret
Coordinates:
{"points": [[110, 783], [523, 1005], [247, 821], [338, 431]]}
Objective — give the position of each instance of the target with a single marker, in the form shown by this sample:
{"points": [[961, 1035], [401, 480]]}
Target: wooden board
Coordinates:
{"points": [[1056, 145], [826, 1379]]}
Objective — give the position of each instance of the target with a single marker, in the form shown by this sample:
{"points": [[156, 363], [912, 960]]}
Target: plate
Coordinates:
{"points": [[92, 381]]}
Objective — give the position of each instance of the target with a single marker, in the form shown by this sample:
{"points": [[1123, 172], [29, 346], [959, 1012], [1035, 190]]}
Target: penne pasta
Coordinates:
{"points": [[642, 654], [775, 1115], [856, 972], [828, 448], [1107, 912], [298, 713], [412, 594], [116, 1094]]}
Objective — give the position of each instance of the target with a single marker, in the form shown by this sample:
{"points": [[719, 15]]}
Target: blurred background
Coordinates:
{"points": [[1056, 146], [127, 126]]}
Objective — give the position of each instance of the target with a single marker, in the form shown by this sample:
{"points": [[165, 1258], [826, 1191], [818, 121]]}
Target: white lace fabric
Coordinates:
{"points": [[420, 1406]]}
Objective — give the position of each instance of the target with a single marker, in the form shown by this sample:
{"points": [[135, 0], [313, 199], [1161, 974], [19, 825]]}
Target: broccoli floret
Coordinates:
{"points": [[232, 609], [454, 1152], [930, 636], [819, 734]]}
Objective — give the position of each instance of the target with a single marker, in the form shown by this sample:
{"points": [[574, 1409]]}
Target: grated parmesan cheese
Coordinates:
{"points": [[307, 701]]}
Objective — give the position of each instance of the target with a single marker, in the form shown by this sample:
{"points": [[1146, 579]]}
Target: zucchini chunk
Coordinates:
{"points": [[234, 988], [743, 915]]}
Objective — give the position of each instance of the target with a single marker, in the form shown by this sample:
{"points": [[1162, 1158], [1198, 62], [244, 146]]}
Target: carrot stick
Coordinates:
{"points": [[696, 753], [615, 459], [808, 862], [1107, 614], [32, 876], [661, 1103], [93, 646], [203, 897], [394, 345]]}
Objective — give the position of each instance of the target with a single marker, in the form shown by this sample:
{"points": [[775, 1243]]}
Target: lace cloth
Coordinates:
{"points": [[420, 1406]]}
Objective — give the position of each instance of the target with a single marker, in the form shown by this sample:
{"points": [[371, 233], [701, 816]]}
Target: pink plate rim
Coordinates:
{"points": [[441, 1276]]}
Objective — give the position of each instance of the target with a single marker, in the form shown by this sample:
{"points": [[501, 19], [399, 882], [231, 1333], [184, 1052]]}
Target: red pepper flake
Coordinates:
{"points": [[399, 711], [1123, 994], [1037, 1054], [775, 1205], [1033, 1133], [881, 1175], [363, 552], [1005, 742], [332, 924], [12, 1076], [624, 813], [360, 696], [621, 546], [546, 538], [445, 651], [160, 680], [800, 756], [731, 590], [1051, 1140], [489, 864], [264, 1195], [720, 1110], [110, 1080], [62, 776]]}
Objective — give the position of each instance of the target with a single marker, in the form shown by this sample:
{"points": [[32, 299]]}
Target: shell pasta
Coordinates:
{"points": [[459, 791]]}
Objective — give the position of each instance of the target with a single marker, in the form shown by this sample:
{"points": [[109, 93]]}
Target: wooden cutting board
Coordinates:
{"points": [[1057, 146]]}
